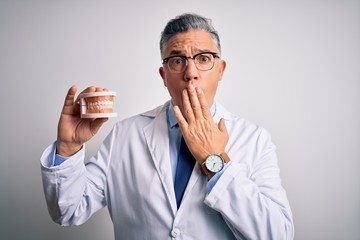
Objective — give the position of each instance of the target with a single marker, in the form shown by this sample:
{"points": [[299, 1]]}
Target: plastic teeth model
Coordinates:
{"points": [[97, 104]]}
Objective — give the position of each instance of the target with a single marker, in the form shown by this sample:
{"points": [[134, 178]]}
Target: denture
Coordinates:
{"points": [[97, 104]]}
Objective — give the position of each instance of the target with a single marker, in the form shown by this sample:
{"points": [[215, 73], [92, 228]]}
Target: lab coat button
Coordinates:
{"points": [[175, 232]]}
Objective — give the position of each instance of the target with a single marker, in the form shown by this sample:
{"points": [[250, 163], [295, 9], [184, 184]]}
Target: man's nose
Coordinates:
{"points": [[191, 71]]}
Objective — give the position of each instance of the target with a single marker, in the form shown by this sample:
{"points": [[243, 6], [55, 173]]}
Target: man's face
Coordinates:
{"points": [[188, 44]]}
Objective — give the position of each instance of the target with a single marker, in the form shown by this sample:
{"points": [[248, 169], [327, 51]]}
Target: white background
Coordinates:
{"points": [[293, 67]]}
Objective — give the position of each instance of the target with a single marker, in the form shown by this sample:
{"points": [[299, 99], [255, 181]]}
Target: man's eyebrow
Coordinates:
{"points": [[179, 52], [176, 52], [204, 50]]}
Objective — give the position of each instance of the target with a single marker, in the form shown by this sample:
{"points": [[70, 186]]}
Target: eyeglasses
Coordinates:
{"points": [[203, 61]]}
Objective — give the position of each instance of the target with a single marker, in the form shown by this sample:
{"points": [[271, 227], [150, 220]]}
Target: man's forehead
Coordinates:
{"points": [[192, 40]]}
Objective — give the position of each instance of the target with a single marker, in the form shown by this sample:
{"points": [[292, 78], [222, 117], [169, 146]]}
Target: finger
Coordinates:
{"points": [[188, 111], [222, 126], [194, 101], [69, 99], [99, 89], [69, 107], [180, 118], [87, 90], [205, 108]]}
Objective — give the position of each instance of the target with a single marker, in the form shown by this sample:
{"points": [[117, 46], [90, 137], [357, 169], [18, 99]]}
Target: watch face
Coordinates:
{"points": [[214, 163]]}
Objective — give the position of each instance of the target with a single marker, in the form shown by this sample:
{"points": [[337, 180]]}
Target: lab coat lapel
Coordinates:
{"points": [[157, 140]]}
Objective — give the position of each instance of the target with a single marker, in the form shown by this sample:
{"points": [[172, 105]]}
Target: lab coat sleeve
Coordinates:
{"points": [[250, 197], [71, 194]]}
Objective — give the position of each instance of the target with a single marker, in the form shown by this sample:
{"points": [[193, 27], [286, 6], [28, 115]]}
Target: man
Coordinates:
{"points": [[233, 189]]}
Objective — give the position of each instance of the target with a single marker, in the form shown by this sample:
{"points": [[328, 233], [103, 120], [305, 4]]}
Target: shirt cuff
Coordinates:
{"points": [[211, 183], [58, 159]]}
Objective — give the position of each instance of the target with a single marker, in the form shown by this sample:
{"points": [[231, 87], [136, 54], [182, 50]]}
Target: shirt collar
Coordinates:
{"points": [[172, 122]]}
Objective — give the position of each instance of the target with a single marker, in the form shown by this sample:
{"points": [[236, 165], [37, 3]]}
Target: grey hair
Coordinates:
{"points": [[185, 22]]}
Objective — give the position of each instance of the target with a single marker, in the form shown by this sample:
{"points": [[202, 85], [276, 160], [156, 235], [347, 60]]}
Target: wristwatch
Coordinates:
{"points": [[214, 163]]}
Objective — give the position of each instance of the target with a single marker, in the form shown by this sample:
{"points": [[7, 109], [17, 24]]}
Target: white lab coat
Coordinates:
{"points": [[131, 174]]}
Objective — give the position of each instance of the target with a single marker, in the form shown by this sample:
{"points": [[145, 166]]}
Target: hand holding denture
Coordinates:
{"points": [[74, 128]]}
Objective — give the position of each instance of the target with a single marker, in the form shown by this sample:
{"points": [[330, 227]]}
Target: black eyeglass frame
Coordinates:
{"points": [[215, 55]]}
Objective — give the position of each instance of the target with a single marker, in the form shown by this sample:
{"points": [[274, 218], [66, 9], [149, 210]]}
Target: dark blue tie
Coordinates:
{"points": [[184, 168]]}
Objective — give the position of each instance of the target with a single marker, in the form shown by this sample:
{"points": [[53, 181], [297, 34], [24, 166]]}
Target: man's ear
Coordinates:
{"points": [[222, 68], [162, 74]]}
